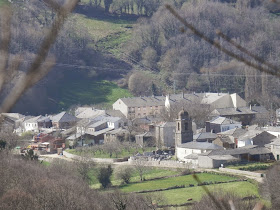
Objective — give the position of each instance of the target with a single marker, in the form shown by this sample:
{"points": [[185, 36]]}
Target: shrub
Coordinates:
{"points": [[104, 176], [123, 173]]}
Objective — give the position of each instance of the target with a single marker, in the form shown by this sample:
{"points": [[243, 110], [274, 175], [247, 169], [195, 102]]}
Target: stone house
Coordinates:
{"points": [[194, 148], [255, 137], [63, 120], [220, 124], [274, 147], [146, 139], [245, 115], [165, 134], [205, 137], [115, 135], [135, 107], [227, 142]]}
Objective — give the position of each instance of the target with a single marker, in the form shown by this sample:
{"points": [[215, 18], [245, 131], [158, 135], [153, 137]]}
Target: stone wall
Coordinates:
{"points": [[162, 163], [246, 173]]}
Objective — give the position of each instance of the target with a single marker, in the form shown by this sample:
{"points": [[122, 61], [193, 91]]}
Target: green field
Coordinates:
{"points": [[149, 174], [122, 154], [86, 92], [180, 196], [249, 165], [169, 182]]}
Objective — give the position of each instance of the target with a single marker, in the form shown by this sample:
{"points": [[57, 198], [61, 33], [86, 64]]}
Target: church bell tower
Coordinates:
{"points": [[184, 131]]}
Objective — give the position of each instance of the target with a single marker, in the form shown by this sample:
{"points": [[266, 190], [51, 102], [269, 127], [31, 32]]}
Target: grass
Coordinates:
{"points": [[46, 163], [169, 182], [149, 174], [179, 196], [122, 154], [249, 165], [85, 91]]}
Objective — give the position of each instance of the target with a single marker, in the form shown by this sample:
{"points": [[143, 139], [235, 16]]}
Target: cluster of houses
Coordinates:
{"points": [[227, 136]]}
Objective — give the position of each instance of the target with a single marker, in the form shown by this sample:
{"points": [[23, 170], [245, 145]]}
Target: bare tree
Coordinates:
{"points": [[141, 168]]}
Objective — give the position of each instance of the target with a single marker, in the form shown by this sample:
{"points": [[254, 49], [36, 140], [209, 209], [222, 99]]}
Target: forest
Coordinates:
{"points": [[152, 54]]}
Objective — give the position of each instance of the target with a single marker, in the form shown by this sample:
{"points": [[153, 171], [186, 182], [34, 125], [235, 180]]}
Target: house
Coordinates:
{"points": [[12, 121], [194, 149], [88, 112], [205, 137], [146, 139], [63, 120], [115, 135], [245, 115], [220, 124], [274, 147], [135, 107], [245, 154], [165, 134], [255, 137], [215, 161], [32, 124], [227, 142]]}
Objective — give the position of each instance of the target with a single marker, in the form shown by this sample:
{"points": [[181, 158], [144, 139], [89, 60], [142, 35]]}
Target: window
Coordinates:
{"points": [[178, 126], [186, 125], [139, 108], [156, 107]]}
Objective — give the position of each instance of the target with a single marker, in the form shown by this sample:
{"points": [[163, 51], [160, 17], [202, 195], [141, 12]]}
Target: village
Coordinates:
{"points": [[233, 130]]}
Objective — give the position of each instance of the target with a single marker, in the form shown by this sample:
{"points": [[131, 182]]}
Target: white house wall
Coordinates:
{"points": [[230, 126], [121, 106]]}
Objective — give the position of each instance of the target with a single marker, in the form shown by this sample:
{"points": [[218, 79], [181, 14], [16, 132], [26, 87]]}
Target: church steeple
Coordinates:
{"points": [[184, 131]]}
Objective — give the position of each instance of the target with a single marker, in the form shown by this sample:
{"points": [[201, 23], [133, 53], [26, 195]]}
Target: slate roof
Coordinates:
{"points": [[63, 117], [232, 111], [117, 131], [206, 135], [97, 133], [192, 156], [223, 121], [200, 145], [33, 119], [227, 139], [275, 142], [252, 150], [147, 134], [90, 113], [115, 113], [249, 135], [14, 116], [260, 109], [222, 157], [235, 132], [202, 98]]}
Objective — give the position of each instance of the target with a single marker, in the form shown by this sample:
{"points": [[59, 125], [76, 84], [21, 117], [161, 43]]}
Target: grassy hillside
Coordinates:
{"points": [[109, 35], [86, 92]]}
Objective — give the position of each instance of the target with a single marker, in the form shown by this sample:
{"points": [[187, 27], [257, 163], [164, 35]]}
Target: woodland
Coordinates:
{"points": [[157, 55]]}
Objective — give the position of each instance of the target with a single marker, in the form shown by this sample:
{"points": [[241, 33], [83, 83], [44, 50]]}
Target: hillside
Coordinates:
{"points": [[90, 81]]}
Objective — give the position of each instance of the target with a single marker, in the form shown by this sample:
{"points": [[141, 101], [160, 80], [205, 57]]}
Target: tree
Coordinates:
{"points": [[107, 4], [104, 176], [141, 168], [271, 187], [84, 166], [123, 173]]}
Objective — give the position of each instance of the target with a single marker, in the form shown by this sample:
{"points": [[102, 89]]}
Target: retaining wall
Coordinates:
{"points": [[248, 173]]}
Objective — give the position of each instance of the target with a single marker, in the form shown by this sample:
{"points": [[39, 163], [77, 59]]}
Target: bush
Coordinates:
{"points": [[254, 168], [104, 176], [124, 173]]}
